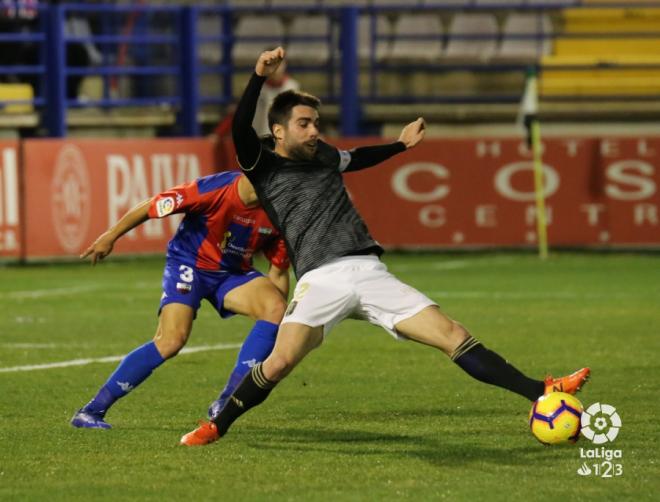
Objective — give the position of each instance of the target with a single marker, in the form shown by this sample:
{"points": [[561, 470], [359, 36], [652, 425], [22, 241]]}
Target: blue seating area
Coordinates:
{"points": [[187, 58]]}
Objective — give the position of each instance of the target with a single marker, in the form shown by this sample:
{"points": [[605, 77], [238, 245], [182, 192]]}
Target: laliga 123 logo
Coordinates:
{"points": [[600, 423]]}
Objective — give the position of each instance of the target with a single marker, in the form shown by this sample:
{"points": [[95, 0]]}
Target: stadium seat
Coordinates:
{"points": [[618, 2], [427, 24], [447, 3], [396, 3], [585, 21], [600, 82], [525, 49], [305, 50], [16, 92], [246, 51], [210, 53], [383, 46], [339, 3], [463, 26], [247, 3], [294, 3], [557, 3], [636, 50], [510, 3]]}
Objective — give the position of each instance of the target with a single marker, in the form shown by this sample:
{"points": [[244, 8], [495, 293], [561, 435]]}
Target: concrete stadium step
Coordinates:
{"points": [[645, 23], [596, 84], [609, 59], [607, 46], [611, 20]]}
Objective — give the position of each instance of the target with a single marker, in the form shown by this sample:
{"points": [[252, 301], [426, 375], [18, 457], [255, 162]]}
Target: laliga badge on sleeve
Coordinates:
{"points": [[164, 206]]}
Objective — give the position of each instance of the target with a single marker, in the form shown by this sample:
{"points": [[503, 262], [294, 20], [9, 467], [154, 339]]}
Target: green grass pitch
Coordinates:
{"points": [[363, 418]]}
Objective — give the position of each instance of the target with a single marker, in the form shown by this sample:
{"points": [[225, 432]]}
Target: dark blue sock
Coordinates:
{"points": [[489, 367], [257, 346], [131, 372]]}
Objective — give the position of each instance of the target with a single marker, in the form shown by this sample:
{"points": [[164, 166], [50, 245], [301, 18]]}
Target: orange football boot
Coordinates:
{"points": [[206, 433], [569, 384]]}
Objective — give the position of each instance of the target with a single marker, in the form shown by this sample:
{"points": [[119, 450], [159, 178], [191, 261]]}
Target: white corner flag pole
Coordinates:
{"points": [[530, 118]]}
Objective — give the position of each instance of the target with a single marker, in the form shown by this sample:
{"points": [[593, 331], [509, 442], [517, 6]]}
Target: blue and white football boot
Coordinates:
{"points": [[88, 420], [216, 408]]}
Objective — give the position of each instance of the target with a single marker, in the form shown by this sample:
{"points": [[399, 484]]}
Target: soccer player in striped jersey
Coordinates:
{"points": [[209, 257], [340, 275]]}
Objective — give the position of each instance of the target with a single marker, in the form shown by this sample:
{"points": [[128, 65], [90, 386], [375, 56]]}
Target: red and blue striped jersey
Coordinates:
{"points": [[218, 232]]}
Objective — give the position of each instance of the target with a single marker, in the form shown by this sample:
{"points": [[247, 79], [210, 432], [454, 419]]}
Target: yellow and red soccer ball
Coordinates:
{"points": [[555, 418]]}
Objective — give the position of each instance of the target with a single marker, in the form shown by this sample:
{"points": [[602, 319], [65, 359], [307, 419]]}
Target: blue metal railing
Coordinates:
{"points": [[141, 31], [350, 105], [141, 41], [56, 65], [189, 70]]}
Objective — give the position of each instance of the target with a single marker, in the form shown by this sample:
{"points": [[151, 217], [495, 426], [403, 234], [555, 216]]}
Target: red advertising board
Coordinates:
{"points": [[442, 194], [9, 200], [468, 193], [74, 190]]}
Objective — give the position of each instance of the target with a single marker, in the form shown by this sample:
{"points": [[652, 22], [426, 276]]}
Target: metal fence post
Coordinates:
{"points": [[56, 68], [350, 69], [189, 83]]}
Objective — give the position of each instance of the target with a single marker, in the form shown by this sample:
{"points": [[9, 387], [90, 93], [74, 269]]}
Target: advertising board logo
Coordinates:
{"points": [[71, 198], [505, 186], [434, 189]]}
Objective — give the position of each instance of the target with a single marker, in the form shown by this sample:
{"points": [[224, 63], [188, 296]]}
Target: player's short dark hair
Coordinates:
{"points": [[280, 110]]}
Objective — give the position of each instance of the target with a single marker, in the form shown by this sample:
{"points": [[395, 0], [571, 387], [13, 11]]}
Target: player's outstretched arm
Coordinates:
{"points": [[368, 156], [103, 245], [246, 140]]}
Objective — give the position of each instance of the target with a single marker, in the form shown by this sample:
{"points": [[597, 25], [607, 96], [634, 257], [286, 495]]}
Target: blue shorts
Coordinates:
{"points": [[189, 285]]}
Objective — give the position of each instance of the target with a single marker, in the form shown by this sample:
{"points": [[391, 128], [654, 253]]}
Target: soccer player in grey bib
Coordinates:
{"points": [[300, 185]]}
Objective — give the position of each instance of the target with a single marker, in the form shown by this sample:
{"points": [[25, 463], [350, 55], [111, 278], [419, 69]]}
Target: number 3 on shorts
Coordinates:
{"points": [[186, 274]]}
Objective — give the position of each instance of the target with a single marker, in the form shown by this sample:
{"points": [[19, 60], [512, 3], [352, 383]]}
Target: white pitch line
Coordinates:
{"points": [[41, 293], [498, 295], [206, 348], [110, 359], [512, 295], [30, 345], [71, 290]]}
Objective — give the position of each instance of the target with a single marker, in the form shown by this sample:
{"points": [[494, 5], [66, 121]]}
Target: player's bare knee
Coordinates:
{"points": [[278, 366], [170, 341], [456, 335]]}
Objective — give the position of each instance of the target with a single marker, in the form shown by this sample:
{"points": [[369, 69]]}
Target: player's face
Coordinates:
{"points": [[301, 135]]}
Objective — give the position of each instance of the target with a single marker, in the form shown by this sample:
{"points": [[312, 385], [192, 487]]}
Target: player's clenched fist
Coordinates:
{"points": [[269, 61], [413, 133]]}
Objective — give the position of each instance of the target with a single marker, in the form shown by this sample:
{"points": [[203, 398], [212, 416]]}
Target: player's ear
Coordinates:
{"points": [[278, 132]]}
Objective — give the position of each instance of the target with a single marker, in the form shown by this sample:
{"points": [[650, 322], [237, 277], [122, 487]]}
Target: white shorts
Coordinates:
{"points": [[357, 287]]}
